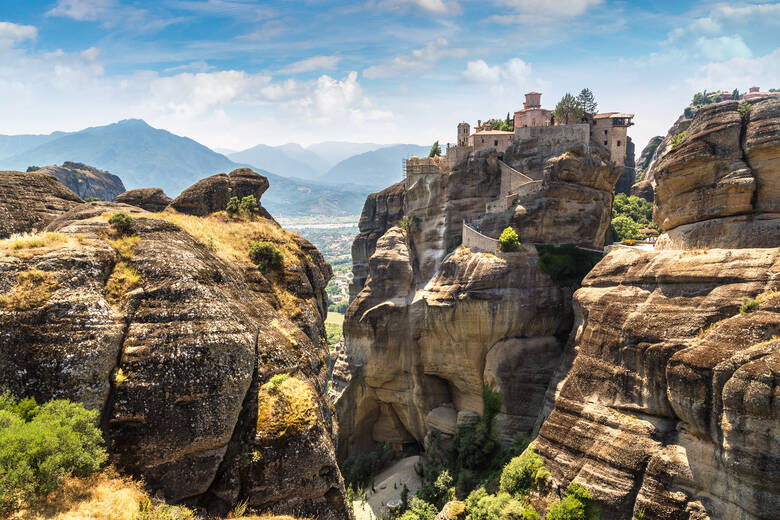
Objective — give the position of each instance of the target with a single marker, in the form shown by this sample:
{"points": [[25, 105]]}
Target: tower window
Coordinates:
{"points": [[605, 132], [618, 143], [605, 143], [495, 143]]}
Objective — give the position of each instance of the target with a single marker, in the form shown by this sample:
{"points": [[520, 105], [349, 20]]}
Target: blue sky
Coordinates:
{"points": [[235, 73]]}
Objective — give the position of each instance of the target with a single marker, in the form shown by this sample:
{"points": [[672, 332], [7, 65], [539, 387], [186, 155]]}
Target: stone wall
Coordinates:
{"points": [[553, 136], [476, 241]]}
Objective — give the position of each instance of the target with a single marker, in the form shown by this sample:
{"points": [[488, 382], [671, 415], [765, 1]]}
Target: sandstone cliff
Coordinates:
{"points": [[665, 405], [432, 322], [86, 181], [174, 336]]}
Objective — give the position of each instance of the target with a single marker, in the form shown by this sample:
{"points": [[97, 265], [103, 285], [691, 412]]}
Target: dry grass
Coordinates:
{"points": [[124, 245], [108, 496], [286, 406], [27, 245], [123, 279], [33, 289], [102, 496], [229, 237]]}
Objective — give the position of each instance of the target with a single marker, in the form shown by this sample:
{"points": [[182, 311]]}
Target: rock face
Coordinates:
{"points": [[31, 200], [720, 187], [212, 193], [433, 323], [665, 404], [380, 212], [86, 181], [177, 364], [150, 199], [628, 176]]}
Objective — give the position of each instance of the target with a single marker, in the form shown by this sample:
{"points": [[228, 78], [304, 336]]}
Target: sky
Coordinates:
{"points": [[235, 73]]}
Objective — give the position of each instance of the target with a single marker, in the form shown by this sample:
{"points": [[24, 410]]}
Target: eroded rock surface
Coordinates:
{"points": [[720, 187], [150, 199], [434, 322], [31, 200], [86, 181], [175, 362], [666, 402], [212, 193]]}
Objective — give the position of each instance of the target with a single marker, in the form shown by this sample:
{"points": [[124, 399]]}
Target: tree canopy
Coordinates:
{"points": [[435, 150], [568, 110]]}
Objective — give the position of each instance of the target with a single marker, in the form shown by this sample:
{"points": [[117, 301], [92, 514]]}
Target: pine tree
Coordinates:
{"points": [[587, 101], [435, 150]]}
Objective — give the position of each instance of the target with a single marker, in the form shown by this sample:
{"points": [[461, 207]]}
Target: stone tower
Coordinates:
{"points": [[463, 134], [533, 100]]}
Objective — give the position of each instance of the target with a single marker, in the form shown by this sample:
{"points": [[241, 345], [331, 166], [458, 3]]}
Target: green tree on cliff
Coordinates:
{"points": [[587, 101], [568, 110], [435, 150]]}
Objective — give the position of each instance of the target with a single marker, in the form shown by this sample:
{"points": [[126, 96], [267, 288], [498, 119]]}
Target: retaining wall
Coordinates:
{"points": [[476, 241]]}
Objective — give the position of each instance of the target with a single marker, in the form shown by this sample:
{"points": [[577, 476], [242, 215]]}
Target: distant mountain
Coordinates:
{"points": [[143, 157], [336, 151], [376, 169], [319, 163], [279, 161], [15, 144]]}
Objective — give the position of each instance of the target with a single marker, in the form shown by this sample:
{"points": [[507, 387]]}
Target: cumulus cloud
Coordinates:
{"points": [[11, 33], [723, 48], [311, 64], [414, 63], [109, 13], [515, 70], [761, 70]]}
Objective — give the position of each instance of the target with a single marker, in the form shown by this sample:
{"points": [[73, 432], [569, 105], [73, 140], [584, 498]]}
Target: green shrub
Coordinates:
{"points": [[38, 449], [248, 205], [408, 224], [748, 305], [625, 228], [566, 264], [92, 199], [277, 380], [578, 504], [121, 222], [523, 473], [744, 109], [453, 243], [677, 139], [265, 255], [419, 510], [482, 506], [438, 492], [477, 446], [33, 169], [232, 205], [508, 241]]}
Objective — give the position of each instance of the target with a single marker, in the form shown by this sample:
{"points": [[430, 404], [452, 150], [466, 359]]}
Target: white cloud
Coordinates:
{"points": [[245, 11], [556, 9], [268, 30], [480, 72], [414, 63], [740, 72], [768, 13], [12, 33], [310, 64], [723, 48], [90, 54], [439, 7], [82, 10], [515, 70]]}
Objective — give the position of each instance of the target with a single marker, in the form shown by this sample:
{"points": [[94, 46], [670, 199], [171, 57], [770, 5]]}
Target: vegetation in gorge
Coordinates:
{"points": [[629, 215], [566, 264]]}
